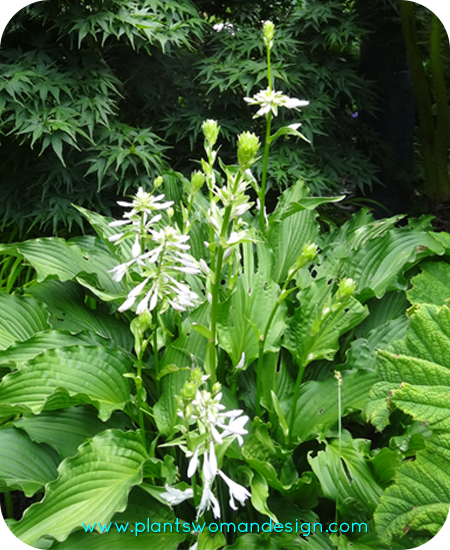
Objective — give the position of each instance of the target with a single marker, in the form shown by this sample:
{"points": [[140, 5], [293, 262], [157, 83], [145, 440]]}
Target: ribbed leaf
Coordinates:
{"points": [[415, 377], [308, 343], [66, 302], [21, 317], [317, 406], [140, 508], [91, 486], [25, 465], [250, 307], [352, 488], [432, 286], [68, 376], [379, 266], [66, 429], [289, 236], [48, 339], [56, 258], [190, 342]]}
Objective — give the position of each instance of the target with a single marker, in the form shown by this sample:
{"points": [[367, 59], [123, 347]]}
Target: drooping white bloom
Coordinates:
{"points": [[270, 100], [208, 500], [237, 491], [175, 496]]}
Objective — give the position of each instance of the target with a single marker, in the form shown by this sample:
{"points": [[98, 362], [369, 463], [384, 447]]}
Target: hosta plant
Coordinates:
{"points": [[201, 359]]}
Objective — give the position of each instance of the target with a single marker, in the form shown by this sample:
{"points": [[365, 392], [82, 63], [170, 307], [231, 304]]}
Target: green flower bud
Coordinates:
{"points": [[346, 289], [188, 392], [196, 376], [210, 130], [197, 181], [216, 388], [269, 32], [308, 253], [248, 145], [157, 182]]}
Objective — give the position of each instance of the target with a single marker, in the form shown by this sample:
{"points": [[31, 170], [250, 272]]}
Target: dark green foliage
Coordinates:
{"points": [[100, 97], [69, 132]]}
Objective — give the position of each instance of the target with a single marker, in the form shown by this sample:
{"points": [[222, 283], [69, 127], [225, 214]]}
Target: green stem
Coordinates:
{"points": [[298, 383], [155, 354], [138, 399], [340, 443], [269, 74], [262, 343], [9, 505], [259, 370], [212, 352], [262, 193]]}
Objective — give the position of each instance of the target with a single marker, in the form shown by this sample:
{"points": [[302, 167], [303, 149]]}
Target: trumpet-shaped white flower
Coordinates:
{"points": [[175, 496], [208, 500], [237, 491], [158, 255], [270, 100]]}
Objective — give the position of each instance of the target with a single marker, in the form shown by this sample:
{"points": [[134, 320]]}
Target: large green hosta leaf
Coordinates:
{"points": [[352, 487], [140, 507], [68, 376], [311, 333], [415, 377], [317, 405], [20, 352], [66, 429], [24, 464], [288, 236], [374, 254], [56, 258], [250, 306], [92, 486], [20, 318], [65, 300]]}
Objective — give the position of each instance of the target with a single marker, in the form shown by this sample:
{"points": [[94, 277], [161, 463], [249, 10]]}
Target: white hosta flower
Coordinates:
{"points": [[175, 496], [146, 202], [241, 363], [193, 463], [270, 100], [237, 491], [208, 500], [236, 427]]}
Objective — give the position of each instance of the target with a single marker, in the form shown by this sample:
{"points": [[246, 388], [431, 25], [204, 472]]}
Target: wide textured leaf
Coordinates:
{"points": [[20, 352], [66, 302], [92, 486], [68, 376], [180, 352], [378, 266], [353, 488], [432, 286], [66, 429], [21, 317], [247, 309], [24, 464], [288, 236], [142, 512], [317, 406], [415, 377], [56, 258], [314, 333]]}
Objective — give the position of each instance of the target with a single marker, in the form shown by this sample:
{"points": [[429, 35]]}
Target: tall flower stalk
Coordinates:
{"points": [[159, 256], [268, 101], [206, 424]]}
